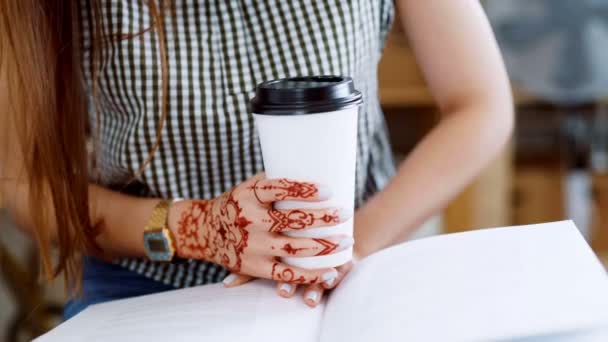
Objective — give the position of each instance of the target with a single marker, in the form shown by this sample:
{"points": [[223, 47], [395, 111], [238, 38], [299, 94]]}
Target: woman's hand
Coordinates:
{"points": [[313, 293], [241, 230]]}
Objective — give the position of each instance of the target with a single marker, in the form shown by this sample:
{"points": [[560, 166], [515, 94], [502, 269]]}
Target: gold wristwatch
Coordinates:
{"points": [[159, 242]]}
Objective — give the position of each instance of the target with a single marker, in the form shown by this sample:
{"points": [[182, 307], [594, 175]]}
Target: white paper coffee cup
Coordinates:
{"points": [[308, 131]]}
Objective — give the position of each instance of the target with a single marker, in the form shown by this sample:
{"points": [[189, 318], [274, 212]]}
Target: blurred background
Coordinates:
{"points": [[555, 167]]}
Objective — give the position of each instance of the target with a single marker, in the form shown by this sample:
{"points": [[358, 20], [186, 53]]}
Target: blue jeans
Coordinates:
{"points": [[102, 282]]}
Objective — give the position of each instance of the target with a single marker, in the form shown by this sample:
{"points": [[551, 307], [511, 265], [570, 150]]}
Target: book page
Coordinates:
{"points": [[251, 312], [496, 284]]}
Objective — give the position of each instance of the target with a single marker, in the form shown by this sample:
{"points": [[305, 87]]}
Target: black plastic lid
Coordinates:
{"points": [[305, 95]]}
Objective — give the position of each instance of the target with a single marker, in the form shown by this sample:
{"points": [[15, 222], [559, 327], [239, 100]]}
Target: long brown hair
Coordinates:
{"points": [[40, 50]]}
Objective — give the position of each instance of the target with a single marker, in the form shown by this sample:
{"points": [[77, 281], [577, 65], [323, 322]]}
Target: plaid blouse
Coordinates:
{"points": [[217, 52]]}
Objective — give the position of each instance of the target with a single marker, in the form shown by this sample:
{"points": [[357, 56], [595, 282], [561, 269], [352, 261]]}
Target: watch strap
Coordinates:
{"points": [[158, 219]]}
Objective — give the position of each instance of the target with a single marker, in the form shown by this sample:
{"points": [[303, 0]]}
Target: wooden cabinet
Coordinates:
{"points": [[538, 194], [401, 82], [599, 219]]}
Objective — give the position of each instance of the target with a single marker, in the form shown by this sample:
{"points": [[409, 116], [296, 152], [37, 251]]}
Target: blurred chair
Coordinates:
{"points": [[34, 313]]}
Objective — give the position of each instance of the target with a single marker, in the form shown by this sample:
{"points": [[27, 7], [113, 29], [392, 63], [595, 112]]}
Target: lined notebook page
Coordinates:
{"points": [[252, 312], [486, 285]]}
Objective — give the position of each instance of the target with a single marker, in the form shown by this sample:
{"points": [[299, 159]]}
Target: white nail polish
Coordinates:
{"points": [[347, 242], [313, 296], [330, 275], [229, 279], [330, 282], [345, 214], [323, 192], [285, 287]]}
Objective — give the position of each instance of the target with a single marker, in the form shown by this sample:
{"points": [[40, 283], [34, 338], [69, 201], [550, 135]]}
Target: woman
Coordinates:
{"points": [[166, 86]]}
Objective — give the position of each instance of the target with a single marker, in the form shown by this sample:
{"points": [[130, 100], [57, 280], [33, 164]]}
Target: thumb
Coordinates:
{"points": [[235, 279]]}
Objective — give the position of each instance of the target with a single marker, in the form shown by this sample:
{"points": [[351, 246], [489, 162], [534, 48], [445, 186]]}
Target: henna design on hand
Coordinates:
{"points": [[325, 246], [296, 219], [329, 247], [218, 230], [289, 249], [287, 275], [296, 190], [214, 231], [287, 190]]}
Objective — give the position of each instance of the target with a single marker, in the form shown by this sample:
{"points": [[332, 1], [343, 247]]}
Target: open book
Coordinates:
{"points": [[538, 282]]}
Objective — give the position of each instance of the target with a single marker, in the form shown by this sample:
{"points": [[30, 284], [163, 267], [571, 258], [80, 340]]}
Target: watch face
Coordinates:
{"points": [[158, 246]]}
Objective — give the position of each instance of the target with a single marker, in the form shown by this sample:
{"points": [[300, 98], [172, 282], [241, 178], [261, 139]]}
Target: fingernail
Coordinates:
{"points": [[229, 279], [330, 275], [312, 296], [347, 242], [285, 289], [344, 214], [329, 278], [323, 192]]}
